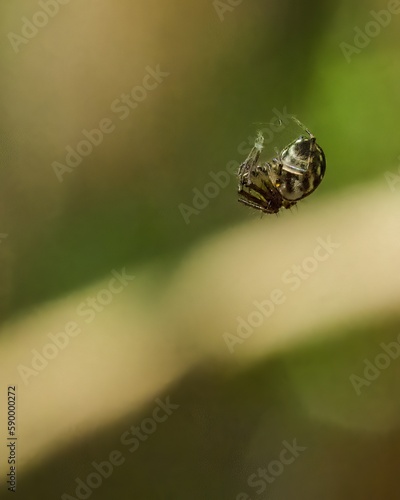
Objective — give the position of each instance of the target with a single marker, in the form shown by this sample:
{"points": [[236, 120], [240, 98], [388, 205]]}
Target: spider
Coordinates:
{"points": [[292, 175]]}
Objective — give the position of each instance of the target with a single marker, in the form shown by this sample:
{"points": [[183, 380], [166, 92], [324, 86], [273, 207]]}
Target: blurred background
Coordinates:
{"points": [[130, 275]]}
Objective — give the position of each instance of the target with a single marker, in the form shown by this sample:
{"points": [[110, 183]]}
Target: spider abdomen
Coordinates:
{"points": [[299, 170]]}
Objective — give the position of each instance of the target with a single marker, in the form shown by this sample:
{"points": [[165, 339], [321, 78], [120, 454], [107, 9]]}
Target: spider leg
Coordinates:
{"points": [[260, 194], [298, 122], [247, 168], [252, 201]]}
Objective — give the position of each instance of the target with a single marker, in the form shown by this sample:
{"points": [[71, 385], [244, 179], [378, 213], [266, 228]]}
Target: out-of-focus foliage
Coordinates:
{"points": [[121, 203]]}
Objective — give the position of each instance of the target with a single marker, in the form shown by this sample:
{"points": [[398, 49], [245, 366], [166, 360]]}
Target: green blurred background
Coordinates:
{"points": [[229, 67]]}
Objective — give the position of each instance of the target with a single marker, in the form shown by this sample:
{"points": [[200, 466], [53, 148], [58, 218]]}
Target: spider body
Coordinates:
{"points": [[292, 175]]}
